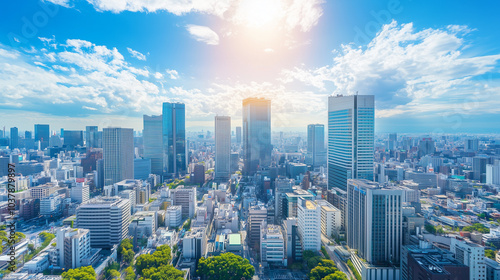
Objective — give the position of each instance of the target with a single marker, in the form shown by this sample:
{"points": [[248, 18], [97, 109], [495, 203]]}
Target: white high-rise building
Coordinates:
{"points": [[222, 147], [471, 255], [80, 193], [107, 218], [185, 197], [308, 217], [73, 247], [272, 245], [330, 218], [118, 154], [173, 216], [374, 221], [493, 173]]}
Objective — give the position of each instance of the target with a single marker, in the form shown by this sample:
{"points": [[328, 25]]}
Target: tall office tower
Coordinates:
{"points": [[309, 225], [393, 141], [374, 221], [256, 134], [80, 193], [316, 152], [479, 168], [152, 140], [238, 135], [14, 138], [107, 218], [350, 139], [185, 197], [73, 138], [330, 218], [256, 215], [222, 147], [174, 138], [91, 137], [27, 135], [42, 134], [73, 247], [425, 147], [272, 245], [471, 255], [471, 145], [493, 173], [118, 150]]}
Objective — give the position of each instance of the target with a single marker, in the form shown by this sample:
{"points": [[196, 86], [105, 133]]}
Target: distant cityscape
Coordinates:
{"points": [[339, 202]]}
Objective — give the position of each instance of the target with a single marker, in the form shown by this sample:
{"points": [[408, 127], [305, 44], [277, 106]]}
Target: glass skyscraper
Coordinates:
{"points": [[42, 134], [91, 137], [350, 139], [118, 152], [73, 138], [222, 147], [256, 134], [153, 147], [174, 139], [14, 138], [316, 152]]}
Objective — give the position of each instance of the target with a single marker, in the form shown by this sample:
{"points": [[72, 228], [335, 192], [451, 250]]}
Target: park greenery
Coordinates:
{"points": [[326, 268], [112, 271], [489, 254], [175, 184], [130, 274], [4, 238], [227, 266], [433, 229], [46, 239], [82, 273], [157, 265], [125, 251], [477, 227]]}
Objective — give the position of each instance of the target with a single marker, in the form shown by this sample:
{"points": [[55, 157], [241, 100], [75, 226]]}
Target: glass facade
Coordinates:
{"points": [[91, 137], [350, 139], [152, 139], [316, 152], [174, 138], [42, 134]]}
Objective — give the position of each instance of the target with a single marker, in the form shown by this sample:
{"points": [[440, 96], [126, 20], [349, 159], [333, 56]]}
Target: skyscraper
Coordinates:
{"points": [[174, 138], [256, 134], [91, 136], [374, 221], [309, 225], [42, 134], [118, 149], [73, 138], [238, 135], [316, 152], [152, 139], [14, 138], [350, 139], [222, 147]]}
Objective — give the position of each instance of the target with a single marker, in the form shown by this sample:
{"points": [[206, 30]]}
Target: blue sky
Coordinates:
{"points": [[433, 67]]}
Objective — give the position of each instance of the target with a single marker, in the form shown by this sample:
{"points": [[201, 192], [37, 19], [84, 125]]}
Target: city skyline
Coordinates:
{"points": [[429, 73]]}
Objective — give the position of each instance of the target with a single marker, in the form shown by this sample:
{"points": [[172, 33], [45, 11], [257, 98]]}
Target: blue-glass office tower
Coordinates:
{"points": [[14, 138], [153, 144], [174, 139], [91, 137], [256, 134], [42, 134], [118, 154], [316, 152], [350, 139], [73, 138]]}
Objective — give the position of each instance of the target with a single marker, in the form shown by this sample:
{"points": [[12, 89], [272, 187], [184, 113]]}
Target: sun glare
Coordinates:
{"points": [[259, 13]]}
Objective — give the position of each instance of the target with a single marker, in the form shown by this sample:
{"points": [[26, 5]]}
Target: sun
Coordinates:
{"points": [[259, 13]]}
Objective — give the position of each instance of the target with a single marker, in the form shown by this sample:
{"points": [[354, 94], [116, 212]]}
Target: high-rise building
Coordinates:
{"points": [[152, 139], [91, 137], [256, 215], [471, 255], [374, 221], [222, 147], [107, 218], [330, 218], [350, 139], [272, 245], [42, 134], [185, 197], [426, 146], [142, 168], [14, 138], [316, 152], [238, 135], [471, 145], [493, 173], [308, 217], [118, 149], [73, 247], [80, 193], [174, 138], [479, 168], [73, 138], [256, 134]]}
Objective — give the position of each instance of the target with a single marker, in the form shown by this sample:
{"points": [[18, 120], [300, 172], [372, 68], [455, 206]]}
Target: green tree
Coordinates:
{"points": [[430, 228], [114, 274], [489, 254], [227, 266], [160, 257], [166, 272], [338, 275], [82, 273], [477, 227], [130, 274], [324, 268]]}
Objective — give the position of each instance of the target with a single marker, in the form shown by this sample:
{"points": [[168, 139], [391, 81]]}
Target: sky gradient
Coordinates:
{"points": [[433, 67]]}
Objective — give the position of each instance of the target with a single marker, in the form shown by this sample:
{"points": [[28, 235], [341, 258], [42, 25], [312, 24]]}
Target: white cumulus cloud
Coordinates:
{"points": [[203, 34]]}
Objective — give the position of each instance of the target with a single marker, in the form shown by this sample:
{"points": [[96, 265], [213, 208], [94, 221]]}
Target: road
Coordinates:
{"points": [[335, 257]]}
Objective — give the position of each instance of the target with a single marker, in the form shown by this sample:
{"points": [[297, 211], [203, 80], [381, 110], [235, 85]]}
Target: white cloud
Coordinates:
{"points": [[173, 74], [407, 70], [158, 76], [9, 54], [203, 34], [64, 3], [136, 54]]}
